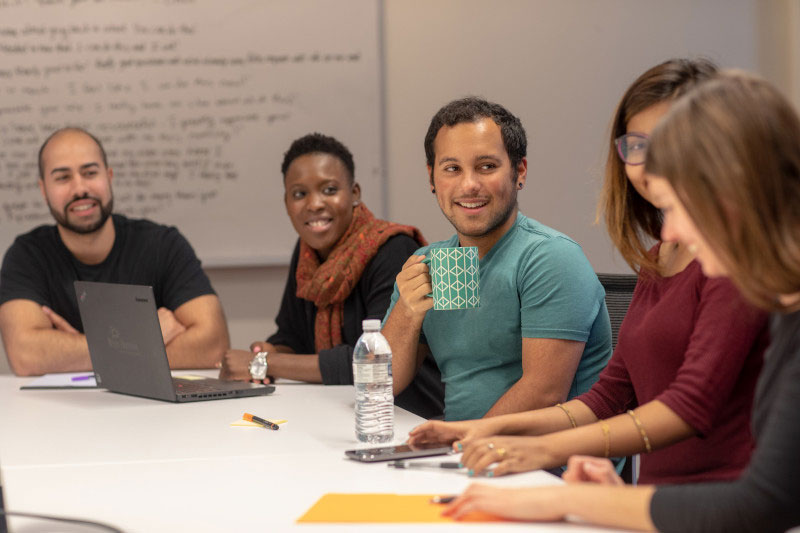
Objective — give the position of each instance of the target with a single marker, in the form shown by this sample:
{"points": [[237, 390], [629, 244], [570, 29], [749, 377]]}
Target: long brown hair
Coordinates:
{"points": [[731, 150], [630, 219]]}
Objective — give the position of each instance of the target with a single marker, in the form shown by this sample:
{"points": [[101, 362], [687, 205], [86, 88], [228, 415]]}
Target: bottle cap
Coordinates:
{"points": [[372, 324]]}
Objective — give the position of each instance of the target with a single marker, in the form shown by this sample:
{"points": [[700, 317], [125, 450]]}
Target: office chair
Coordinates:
{"points": [[619, 291]]}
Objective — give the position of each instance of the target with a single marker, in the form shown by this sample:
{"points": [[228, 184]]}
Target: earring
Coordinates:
{"points": [[433, 190], [355, 203], [519, 185]]}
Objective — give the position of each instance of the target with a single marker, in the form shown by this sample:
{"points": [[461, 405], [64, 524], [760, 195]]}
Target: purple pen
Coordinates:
{"points": [[82, 378]]}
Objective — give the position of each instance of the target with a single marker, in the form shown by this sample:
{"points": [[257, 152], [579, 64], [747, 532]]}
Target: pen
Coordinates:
{"points": [[443, 499], [422, 464], [82, 378], [257, 420]]}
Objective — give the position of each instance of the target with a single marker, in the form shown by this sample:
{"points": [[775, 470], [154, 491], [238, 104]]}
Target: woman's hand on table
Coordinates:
{"points": [[235, 364], [582, 468], [534, 504], [508, 454]]}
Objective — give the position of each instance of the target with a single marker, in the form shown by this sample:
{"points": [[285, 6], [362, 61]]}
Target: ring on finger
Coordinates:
{"points": [[501, 452], [491, 445]]}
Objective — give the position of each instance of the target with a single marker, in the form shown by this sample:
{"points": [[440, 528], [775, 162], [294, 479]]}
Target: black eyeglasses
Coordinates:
{"points": [[632, 147]]}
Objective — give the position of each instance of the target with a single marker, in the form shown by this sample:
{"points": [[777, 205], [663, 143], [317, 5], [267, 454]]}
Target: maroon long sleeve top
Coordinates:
{"points": [[694, 344]]}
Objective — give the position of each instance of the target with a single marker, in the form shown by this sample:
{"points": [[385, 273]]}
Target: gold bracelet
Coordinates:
{"points": [[571, 418], [606, 436], [642, 432]]}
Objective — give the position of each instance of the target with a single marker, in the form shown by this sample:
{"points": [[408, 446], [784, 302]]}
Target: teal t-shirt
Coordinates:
{"points": [[536, 283]]}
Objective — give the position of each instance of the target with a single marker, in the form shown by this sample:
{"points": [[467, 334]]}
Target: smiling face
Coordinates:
{"points": [[475, 184], [76, 184], [644, 122], [319, 200], [678, 226]]}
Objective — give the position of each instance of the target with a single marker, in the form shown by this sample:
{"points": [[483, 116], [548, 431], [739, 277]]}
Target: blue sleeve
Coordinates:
{"points": [[560, 295]]}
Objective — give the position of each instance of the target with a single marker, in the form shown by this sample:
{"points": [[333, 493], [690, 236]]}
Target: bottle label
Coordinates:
{"points": [[372, 373]]}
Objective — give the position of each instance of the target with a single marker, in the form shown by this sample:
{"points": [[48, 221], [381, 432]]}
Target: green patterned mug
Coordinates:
{"points": [[455, 277]]}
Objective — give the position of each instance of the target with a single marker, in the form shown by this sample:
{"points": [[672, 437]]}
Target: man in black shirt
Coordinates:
{"points": [[39, 319]]}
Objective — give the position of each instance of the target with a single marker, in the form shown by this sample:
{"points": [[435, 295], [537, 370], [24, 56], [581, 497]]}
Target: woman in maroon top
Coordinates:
{"points": [[679, 386]]}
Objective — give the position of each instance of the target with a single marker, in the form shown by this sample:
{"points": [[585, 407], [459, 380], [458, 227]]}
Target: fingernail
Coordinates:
{"points": [[459, 447], [489, 474], [461, 465], [471, 473]]}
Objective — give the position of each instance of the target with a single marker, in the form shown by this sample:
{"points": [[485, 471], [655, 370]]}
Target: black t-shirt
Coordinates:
{"points": [[766, 497], [369, 299], [39, 267]]}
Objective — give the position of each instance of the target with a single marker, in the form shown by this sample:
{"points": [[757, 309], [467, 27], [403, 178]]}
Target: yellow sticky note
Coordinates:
{"points": [[393, 508], [248, 424]]}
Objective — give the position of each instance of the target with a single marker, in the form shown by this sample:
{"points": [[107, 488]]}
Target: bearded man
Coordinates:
{"points": [[39, 319]]}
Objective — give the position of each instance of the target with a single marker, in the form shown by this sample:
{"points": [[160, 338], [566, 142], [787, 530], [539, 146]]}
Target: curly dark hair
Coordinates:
{"points": [[472, 109], [319, 143]]}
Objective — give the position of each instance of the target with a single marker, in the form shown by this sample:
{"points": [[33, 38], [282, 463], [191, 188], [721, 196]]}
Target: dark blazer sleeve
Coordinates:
{"points": [[292, 319]]}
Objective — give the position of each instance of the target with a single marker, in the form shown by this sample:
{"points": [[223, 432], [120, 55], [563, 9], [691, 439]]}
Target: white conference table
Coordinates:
{"points": [[149, 466]]}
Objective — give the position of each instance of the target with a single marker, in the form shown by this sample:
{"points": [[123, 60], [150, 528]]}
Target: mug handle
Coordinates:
{"points": [[427, 261]]}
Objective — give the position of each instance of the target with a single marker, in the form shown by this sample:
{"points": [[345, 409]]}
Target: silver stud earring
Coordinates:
{"points": [[355, 203]]}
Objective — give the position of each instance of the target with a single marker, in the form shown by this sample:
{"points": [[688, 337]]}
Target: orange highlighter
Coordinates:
{"points": [[266, 423]]}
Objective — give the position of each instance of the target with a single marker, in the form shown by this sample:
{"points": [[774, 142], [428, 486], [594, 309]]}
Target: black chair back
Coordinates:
{"points": [[619, 291]]}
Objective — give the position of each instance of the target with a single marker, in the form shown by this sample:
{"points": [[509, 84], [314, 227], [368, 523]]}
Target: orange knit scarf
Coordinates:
{"points": [[330, 283]]}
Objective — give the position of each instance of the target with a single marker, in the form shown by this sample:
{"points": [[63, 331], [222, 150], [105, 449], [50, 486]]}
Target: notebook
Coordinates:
{"points": [[127, 349]]}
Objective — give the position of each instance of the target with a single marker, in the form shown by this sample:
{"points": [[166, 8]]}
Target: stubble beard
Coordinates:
{"points": [[63, 220], [494, 223]]}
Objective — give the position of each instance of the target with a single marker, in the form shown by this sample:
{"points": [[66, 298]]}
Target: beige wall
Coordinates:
{"points": [[560, 65]]}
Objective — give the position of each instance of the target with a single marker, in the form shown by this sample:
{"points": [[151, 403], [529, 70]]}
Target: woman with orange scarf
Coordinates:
{"points": [[342, 272]]}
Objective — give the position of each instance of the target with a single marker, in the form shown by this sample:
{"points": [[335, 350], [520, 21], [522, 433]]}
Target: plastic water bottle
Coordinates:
{"points": [[372, 376]]}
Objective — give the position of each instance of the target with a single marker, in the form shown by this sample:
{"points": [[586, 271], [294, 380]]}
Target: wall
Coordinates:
{"points": [[561, 66]]}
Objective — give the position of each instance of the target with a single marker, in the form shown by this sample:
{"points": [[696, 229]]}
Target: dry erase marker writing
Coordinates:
{"points": [[82, 378], [257, 420]]}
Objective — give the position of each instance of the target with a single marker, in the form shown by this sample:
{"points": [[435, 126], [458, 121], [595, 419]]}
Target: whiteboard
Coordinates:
{"points": [[195, 102]]}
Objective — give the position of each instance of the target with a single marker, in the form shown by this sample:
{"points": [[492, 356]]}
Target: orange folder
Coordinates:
{"points": [[394, 508]]}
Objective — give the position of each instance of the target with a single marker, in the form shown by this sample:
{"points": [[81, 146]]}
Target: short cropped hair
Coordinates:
{"points": [[473, 109], [62, 130], [319, 143]]}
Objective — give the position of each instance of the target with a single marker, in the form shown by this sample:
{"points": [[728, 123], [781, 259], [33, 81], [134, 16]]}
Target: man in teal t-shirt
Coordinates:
{"points": [[541, 334]]}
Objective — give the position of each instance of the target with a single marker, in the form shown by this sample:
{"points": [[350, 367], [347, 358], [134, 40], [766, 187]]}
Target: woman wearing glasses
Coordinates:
{"points": [[679, 387], [725, 170]]}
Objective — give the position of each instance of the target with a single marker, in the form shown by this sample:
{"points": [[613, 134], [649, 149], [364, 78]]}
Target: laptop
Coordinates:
{"points": [[127, 348]]}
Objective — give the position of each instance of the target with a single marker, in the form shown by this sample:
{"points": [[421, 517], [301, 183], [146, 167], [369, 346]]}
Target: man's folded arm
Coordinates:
{"points": [[548, 369], [206, 337], [34, 343], [408, 353]]}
